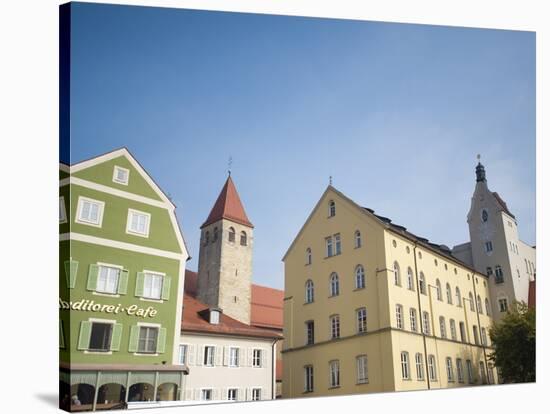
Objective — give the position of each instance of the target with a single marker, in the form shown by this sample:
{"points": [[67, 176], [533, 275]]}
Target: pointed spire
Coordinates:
{"points": [[228, 206], [480, 170]]}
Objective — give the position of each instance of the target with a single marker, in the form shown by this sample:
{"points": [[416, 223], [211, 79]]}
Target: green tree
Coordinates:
{"points": [[514, 341]]}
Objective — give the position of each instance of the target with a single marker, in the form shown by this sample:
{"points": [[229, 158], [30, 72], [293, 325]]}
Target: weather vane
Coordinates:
{"points": [[479, 157], [330, 179], [229, 164]]}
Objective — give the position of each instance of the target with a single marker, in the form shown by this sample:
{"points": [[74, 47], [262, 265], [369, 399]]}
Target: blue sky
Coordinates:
{"points": [[396, 113]]}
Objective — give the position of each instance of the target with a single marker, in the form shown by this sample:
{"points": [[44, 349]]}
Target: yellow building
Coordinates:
{"points": [[371, 307]]}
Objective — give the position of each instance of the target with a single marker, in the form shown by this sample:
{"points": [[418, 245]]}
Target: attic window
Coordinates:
{"points": [[214, 316], [121, 175]]}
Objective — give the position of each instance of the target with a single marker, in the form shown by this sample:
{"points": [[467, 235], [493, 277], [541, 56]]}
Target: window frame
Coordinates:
{"points": [[257, 358], [405, 366], [310, 332], [108, 323], [449, 369], [62, 210], [360, 277], [331, 208], [334, 326], [361, 319], [334, 285], [117, 168], [413, 319], [410, 279], [419, 364], [358, 239], [152, 274], [334, 373], [148, 328], [209, 356], [399, 316], [308, 378], [100, 211], [133, 212], [361, 369], [309, 291], [101, 266], [432, 367]]}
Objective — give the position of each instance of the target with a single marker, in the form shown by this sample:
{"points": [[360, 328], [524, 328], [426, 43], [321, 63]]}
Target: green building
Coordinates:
{"points": [[122, 268]]}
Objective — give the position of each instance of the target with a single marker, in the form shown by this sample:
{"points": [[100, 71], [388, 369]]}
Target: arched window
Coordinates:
{"points": [[215, 234], [308, 256], [357, 239], [309, 291], [231, 234], [397, 276], [479, 307], [331, 208], [449, 295], [243, 238], [487, 307], [438, 289], [405, 371], [334, 285], [410, 284], [422, 283], [359, 277], [206, 238], [471, 298], [458, 297], [432, 369], [449, 366], [442, 327], [426, 322], [452, 324]]}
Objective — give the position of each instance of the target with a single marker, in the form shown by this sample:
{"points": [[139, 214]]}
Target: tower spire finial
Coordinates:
{"points": [[330, 180], [480, 171], [229, 164]]}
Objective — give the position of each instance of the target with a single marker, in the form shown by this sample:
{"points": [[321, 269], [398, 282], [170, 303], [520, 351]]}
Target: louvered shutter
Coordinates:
{"points": [[250, 357], [225, 355], [218, 355], [123, 282], [71, 269], [140, 278], [116, 337], [161, 341], [166, 287], [93, 273], [200, 353], [84, 335], [134, 338], [264, 357], [191, 354]]}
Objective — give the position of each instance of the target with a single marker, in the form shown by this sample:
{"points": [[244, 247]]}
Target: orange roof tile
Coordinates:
{"points": [[228, 206]]}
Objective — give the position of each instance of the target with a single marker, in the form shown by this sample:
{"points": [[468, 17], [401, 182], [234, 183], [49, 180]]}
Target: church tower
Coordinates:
{"points": [[225, 257]]}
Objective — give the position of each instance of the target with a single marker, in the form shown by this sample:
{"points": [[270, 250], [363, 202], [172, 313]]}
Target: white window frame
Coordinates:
{"points": [[101, 208], [359, 277], [256, 394], [257, 358], [337, 244], [413, 320], [410, 279], [129, 229], [442, 327], [432, 368], [361, 316], [449, 369], [488, 247], [405, 366], [116, 169], [334, 373], [329, 246], [62, 210], [310, 292], [452, 325], [309, 324], [334, 326], [459, 370], [234, 356], [362, 370], [203, 391], [151, 326], [308, 378], [209, 359], [112, 266], [399, 316], [155, 274], [232, 390], [426, 323], [182, 354], [358, 240], [419, 362], [334, 284]]}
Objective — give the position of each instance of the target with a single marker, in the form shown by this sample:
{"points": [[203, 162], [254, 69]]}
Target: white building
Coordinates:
{"points": [[496, 249]]}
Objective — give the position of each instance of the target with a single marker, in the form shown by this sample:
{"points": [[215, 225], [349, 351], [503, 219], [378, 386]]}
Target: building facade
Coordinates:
{"points": [[122, 268], [496, 249], [371, 307]]}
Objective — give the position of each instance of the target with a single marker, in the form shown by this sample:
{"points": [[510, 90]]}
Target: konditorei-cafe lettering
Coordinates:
{"points": [[88, 305]]}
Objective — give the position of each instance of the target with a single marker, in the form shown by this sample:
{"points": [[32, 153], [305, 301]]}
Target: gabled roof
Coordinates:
{"points": [[228, 206], [502, 204]]}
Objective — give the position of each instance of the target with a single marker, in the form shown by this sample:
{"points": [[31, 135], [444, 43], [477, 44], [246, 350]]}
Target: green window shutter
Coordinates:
{"points": [[122, 282], [139, 283], [71, 268], [116, 336], [166, 288], [61, 336], [161, 341], [93, 273], [84, 336], [134, 337]]}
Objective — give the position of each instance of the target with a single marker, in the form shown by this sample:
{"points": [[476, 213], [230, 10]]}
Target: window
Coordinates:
{"points": [[399, 316], [459, 370], [232, 394], [462, 332], [359, 277], [478, 303], [426, 322], [490, 375], [334, 379], [405, 372], [458, 297], [422, 283], [482, 372], [138, 223], [310, 333], [334, 326], [453, 329], [330, 251], [470, 371], [484, 215], [215, 235], [90, 211], [334, 285], [148, 336], [206, 238], [471, 299], [489, 271], [432, 369], [519, 274], [362, 369], [182, 354], [231, 234], [308, 378], [361, 320], [257, 358], [338, 244], [449, 294], [503, 304], [438, 290], [526, 264], [208, 357], [357, 239], [243, 238], [107, 279], [121, 175], [419, 360], [310, 293], [100, 337], [63, 213], [410, 282], [499, 276], [484, 336], [412, 316], [152, 285], [488, 247], [476, 337], [396, 275], [233, 357], [256, 394], [308, 256], [331, 208], [442, 327], [449, 367], [487, 307], [206, 394]]}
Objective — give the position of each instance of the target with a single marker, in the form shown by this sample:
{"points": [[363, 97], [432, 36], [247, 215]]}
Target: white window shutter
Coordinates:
{"points": [[200, 353], [197, 394], [189, 394], [218, 355], [225, 355], [224, 394], [241, 394], [191, 354], [250, 357], [264, 357]]}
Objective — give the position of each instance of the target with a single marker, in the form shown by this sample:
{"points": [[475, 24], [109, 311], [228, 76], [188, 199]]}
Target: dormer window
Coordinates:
{"points": [[331, 208], [121, 175], [214, 316]]}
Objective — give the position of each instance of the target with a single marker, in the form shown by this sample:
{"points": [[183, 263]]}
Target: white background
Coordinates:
{"points": [[29, 203]]}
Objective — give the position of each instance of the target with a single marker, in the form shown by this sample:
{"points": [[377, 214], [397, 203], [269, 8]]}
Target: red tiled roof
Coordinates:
{"points": [[194, 322], [503, 204], [228, 206]]}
